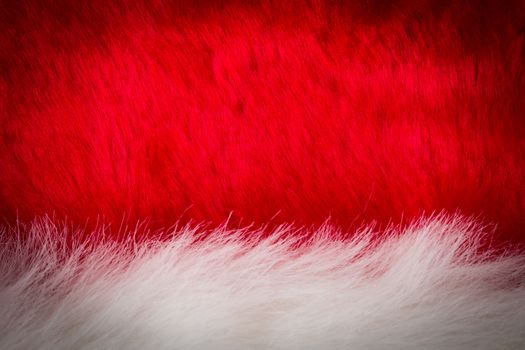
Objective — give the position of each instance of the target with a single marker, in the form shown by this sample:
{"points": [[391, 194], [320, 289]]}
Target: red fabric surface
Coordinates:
{"points": [[263, 112]]}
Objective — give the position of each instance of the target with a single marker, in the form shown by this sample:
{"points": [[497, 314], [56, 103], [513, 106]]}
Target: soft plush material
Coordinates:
{"points": [[424, 287], [340, 174]]}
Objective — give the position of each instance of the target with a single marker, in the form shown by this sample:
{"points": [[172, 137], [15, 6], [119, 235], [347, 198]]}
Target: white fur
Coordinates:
{"points": [[424, 287]]}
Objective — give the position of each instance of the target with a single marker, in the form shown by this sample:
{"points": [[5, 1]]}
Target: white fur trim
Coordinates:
{"points": [[424, 287]]}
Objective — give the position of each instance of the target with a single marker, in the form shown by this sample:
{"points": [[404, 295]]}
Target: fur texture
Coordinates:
{"points": [[424, 287], [262, 111], [261, 114]]}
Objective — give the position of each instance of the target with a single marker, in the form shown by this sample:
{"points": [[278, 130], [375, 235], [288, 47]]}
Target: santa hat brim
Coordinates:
{"points": [[425, 286]]}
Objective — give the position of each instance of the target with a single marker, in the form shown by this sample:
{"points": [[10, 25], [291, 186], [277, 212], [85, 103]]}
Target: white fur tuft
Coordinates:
{"points": [[422, 287]]}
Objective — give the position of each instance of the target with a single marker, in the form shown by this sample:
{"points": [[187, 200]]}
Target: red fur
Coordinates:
{"points": [[268, 112]]}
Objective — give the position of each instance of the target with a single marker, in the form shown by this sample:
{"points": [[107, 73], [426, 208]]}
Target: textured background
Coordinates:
{"points": [[263, 112]]}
